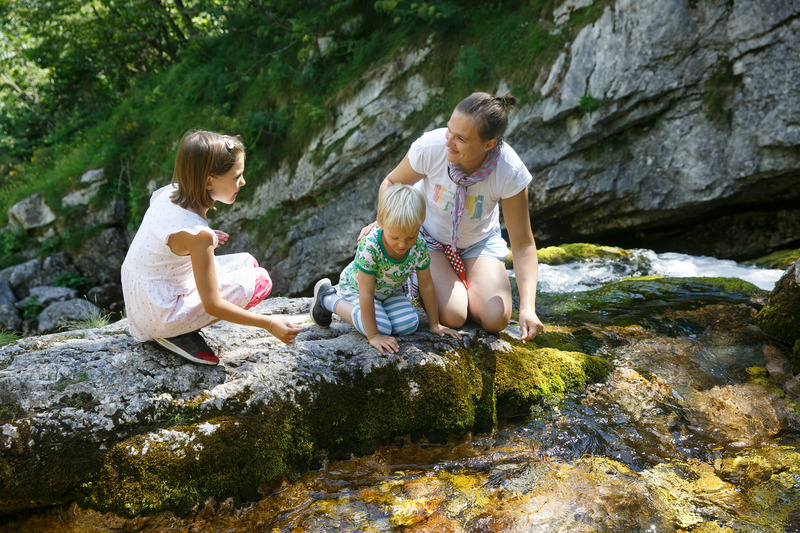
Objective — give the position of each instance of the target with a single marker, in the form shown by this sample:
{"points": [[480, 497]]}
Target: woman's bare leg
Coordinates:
{"points": [[451, 295], [489, 293]]}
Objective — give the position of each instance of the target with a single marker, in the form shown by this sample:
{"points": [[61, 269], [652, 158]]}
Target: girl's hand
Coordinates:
{"points": [[441, 330], [283, 330], [366, 229], [529, 325], [221, 236], [384, 342]]}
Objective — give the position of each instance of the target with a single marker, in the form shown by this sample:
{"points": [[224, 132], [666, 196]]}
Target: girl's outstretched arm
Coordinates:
{"points": [[428, 293], [200, 248]]}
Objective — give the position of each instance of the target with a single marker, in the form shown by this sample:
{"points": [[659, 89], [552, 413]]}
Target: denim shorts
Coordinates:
{"points": [[492, 246]]}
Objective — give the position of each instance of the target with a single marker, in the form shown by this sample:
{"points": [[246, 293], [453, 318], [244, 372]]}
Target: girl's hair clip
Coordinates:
{"points": [[228, 144]]}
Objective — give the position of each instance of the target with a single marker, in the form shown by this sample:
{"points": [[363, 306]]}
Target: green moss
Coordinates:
{"points": [[430, 399], [176, 468], [579, 340], [779, 317], [566, 253], [781, 260], [526, 375]]}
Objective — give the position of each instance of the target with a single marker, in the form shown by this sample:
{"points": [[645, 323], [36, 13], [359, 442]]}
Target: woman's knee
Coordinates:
{"points": [[493, 315]]}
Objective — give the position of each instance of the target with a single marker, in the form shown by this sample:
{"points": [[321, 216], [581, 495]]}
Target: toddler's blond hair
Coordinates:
{"points": [[401, 207]]}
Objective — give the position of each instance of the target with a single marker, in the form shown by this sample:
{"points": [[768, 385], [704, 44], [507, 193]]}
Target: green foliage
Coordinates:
{"points": [[7, 337], [75, 281], [412, 12], [32, 308], [589, 103]]}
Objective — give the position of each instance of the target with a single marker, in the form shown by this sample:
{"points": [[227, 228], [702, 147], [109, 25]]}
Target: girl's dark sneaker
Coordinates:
{"points": [[321, 316], [191, 346]]}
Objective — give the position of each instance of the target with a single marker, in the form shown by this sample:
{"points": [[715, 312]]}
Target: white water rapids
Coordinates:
{"points": [[587, 275]]}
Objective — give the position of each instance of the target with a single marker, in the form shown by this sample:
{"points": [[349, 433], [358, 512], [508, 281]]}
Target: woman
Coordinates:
{"points": [[466, 172]]}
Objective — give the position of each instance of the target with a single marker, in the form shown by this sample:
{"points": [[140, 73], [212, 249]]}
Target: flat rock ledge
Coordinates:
{"points": [[97, 418]]}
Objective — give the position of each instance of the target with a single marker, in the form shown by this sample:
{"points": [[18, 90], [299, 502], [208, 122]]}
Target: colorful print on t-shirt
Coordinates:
{"points": [[443, 200]]}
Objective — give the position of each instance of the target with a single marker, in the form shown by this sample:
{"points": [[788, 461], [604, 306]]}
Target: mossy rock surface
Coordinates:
{"points": [[780, 317], [161, 434], [644, 300], [781, 260], [566, 253]]}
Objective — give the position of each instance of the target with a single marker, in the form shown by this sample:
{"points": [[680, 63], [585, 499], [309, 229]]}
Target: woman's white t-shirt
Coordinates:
{"points": [[428, 155]]}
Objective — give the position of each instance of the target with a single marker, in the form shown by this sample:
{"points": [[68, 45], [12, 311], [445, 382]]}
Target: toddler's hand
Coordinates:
{"points": [[442, 331], [221, 236], [384, 342], [366, 229], [284, 330]]}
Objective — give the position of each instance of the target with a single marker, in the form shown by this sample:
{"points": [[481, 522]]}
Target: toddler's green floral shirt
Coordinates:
{"points": [[390, 274]]}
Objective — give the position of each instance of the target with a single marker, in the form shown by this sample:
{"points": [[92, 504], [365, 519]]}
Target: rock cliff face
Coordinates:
{"points": [[690, 143]]}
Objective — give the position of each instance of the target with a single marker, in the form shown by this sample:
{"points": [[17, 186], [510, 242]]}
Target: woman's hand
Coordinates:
{"points": [[441, 330], [529, 324], [384, 342], [366, 229], [283, 330]]}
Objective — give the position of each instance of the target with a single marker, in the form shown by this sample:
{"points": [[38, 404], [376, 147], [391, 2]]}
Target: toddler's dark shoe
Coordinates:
{"points": [[321, 316], [191, 346]]}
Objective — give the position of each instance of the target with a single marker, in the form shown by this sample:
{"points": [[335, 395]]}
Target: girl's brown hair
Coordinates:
{"points": [[489, 112], [202, 154]]}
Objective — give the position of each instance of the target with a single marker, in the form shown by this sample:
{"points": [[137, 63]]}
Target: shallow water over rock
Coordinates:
{"points": [[696, 429]]}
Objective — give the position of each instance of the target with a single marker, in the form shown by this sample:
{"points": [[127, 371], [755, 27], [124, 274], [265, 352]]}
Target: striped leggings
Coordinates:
{"points": [[395, 315]]}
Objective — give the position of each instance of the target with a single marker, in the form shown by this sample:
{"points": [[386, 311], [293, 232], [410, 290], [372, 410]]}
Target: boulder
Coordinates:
{"points": [[36, 272], [32, 212], [65, 313], [10, 319], [780, 317], [96, 417]]}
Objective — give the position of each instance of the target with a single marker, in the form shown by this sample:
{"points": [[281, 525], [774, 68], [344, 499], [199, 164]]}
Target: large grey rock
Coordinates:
{"points": [[48, 294], [62, 314], [100, 256], [82, 407], [10, 318], [36, 272], [32, 212]]}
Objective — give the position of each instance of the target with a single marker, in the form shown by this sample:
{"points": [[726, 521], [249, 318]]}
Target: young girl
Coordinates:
{"points": [[369, 296], [172, 282]]}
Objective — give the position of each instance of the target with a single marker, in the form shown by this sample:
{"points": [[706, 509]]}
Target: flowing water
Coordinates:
{"points": [[693, 431]]}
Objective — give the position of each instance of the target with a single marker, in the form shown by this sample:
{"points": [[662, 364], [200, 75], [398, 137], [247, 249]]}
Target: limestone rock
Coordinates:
{"points": [[63, 313], [32, 212], [10, 318], [97, 417], [781, 316]]}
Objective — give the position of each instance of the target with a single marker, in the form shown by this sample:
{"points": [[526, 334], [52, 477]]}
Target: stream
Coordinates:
{"points": [[696, 429]]}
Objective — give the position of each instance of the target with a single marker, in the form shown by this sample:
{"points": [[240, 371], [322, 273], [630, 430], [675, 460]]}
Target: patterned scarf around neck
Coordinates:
{"points": [[463, 181]]}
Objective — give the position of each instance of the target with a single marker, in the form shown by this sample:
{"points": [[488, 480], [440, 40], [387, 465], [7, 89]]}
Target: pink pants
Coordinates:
{"points": [[263, 287]]}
